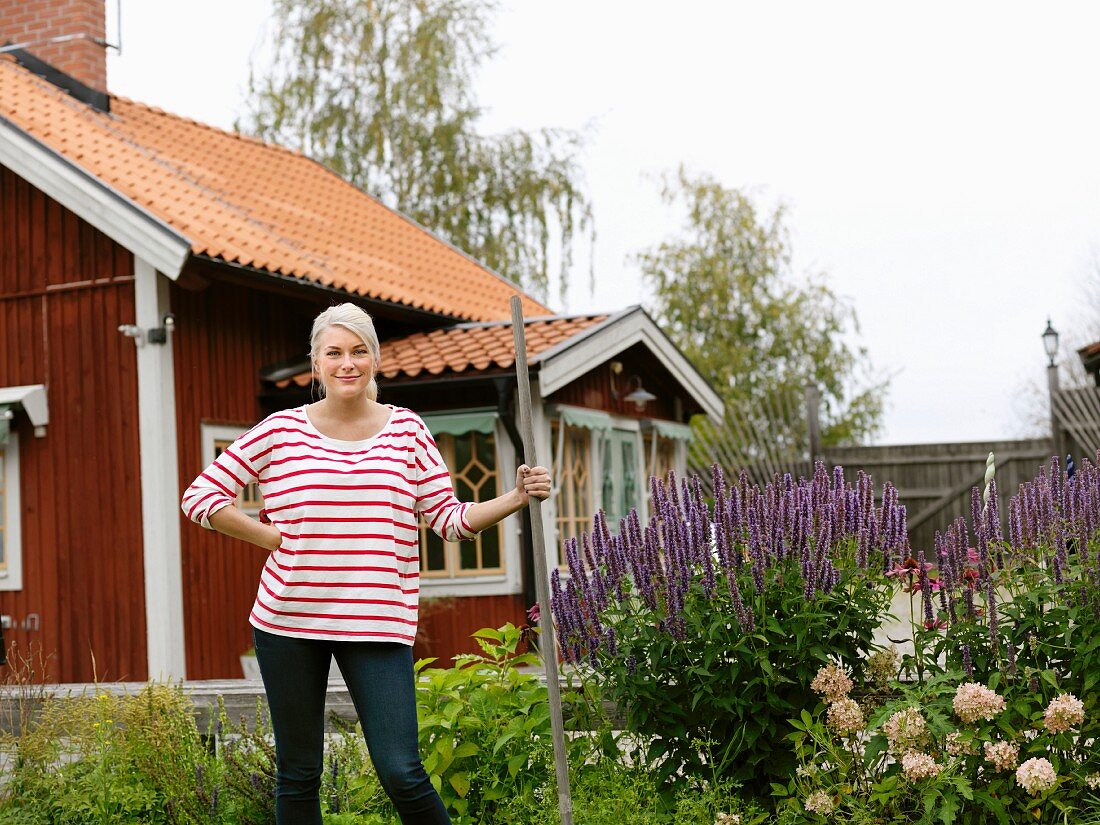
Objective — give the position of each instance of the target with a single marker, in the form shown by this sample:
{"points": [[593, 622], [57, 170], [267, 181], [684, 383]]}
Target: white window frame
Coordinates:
{"points": [[11, 578], [212, 433], [494, 584]]}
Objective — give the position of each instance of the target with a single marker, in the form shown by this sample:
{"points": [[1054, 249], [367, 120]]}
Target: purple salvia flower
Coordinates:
{"points": [[991, 613], [1011, 652], [743, 614], [968, 600], [967, 661], [573, 558], [1015, 531]]}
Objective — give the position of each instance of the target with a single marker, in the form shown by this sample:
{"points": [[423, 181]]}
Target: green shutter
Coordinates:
{"points": [[5, 423]]}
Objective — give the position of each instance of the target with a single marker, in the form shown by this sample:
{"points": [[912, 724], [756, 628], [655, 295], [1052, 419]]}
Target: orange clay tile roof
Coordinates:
{"points": [[468, 348], [240, 200]]}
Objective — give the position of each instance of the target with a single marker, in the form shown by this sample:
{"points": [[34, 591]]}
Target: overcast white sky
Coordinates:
{"points": [[941, 161]]}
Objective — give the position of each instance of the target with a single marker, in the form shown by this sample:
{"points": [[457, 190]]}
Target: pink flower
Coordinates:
{"points": [[845, 716], [832, 683], [917, 766], [973, 702], [1003, 755], [1065, 711], [1036, 775]]}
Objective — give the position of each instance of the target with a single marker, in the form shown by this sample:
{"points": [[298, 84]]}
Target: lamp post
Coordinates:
{"points": [[1050, 344]]}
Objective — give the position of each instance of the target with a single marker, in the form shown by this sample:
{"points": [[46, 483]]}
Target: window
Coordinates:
{"points": [[472, 460], [11, 551], [573, 478], [215, 439]]}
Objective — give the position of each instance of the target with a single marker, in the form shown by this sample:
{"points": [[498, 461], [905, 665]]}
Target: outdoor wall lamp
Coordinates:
{"points": [[639, 396], [154, 335], [1050, 342]]}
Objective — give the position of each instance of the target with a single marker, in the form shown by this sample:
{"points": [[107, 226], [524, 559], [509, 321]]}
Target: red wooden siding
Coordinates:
{"points": [[446, 623], [64, 290], [224, 335]]}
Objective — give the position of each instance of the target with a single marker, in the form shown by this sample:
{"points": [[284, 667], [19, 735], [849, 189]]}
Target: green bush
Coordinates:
{"points": [[484, 726], [105, 758]]}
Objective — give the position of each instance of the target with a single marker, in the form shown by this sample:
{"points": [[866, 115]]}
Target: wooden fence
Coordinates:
{"points": [[1077, 411], [934, 480]]}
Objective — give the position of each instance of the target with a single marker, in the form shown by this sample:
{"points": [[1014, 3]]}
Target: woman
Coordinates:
{"points": [[344, 481]]}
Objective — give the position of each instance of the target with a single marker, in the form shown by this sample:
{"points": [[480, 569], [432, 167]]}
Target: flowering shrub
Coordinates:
{"points": [[1002, 719], [1027, 606], [706, 625]]}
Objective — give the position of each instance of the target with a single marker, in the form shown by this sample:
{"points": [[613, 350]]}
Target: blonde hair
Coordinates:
{"points": [[356, 321]]}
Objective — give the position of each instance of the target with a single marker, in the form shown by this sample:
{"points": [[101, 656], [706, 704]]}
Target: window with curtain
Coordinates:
{"points": [[471, 457], [573, 477]]}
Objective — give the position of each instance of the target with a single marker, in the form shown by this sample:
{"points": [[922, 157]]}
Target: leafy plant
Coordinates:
{"points": [[484, 726]]}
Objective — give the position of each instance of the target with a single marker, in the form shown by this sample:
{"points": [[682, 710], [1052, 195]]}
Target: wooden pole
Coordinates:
{"points": [[547, 645]]}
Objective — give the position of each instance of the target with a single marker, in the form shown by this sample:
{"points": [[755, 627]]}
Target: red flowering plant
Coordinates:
{"points": [[706, 624]]}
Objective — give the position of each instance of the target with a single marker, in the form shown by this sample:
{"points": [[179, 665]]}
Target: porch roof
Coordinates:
{"points": [[464, 349], [559, 348]]}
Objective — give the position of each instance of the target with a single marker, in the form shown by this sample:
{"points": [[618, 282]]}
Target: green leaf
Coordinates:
{"points": [[515, 763], [460, 782], [465, 749]]}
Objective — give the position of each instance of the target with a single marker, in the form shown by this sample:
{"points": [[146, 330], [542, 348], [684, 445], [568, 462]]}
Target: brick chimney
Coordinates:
{"points": [[82, 55]]}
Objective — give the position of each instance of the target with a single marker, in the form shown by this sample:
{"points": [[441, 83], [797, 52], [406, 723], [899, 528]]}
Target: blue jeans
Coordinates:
{"points": [[379, 676]]}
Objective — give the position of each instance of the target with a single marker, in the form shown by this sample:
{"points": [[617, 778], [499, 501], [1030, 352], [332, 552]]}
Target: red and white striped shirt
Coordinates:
{"points": [[348, 567]]}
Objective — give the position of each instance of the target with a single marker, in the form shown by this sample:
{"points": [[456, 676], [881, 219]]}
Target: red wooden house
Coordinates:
{"points": [[157, 282]]}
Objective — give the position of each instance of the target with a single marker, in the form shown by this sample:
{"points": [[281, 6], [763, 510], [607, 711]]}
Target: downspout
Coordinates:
{"points": [[505, 389]]}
